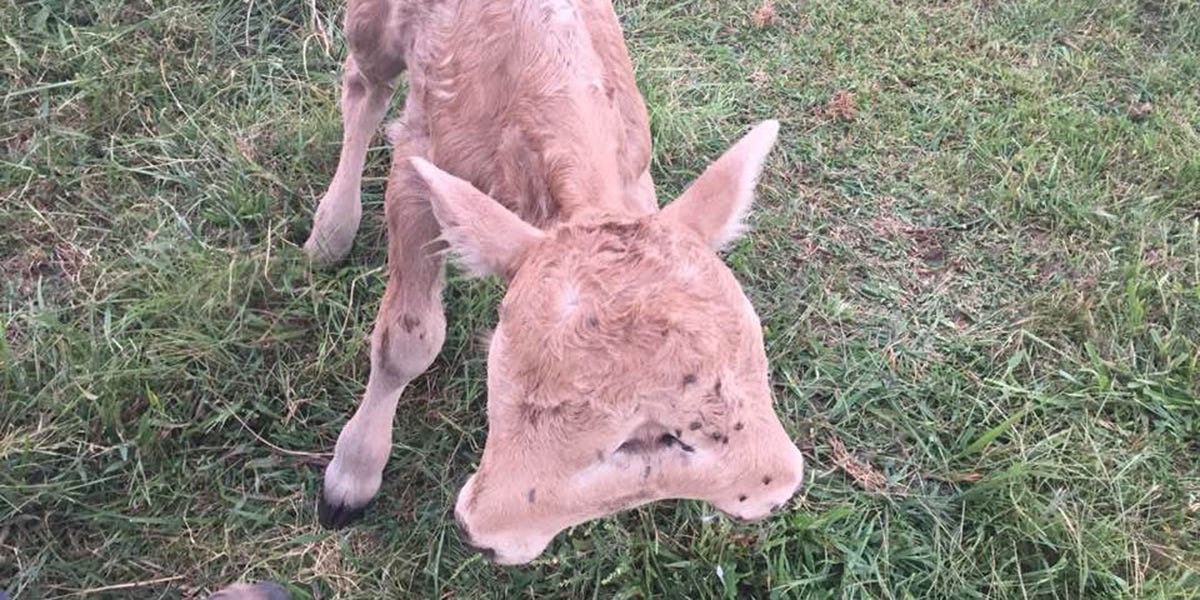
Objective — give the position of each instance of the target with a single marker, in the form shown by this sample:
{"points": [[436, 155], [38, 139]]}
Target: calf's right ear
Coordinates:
{"points": [[484, 237]]}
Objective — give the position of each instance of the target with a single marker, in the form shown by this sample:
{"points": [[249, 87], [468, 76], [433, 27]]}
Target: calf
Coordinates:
{"points": [[627, 365]]}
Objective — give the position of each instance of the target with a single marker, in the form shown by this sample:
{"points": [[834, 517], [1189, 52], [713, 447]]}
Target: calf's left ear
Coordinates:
{"points": [[484, 237], [716, 204]]}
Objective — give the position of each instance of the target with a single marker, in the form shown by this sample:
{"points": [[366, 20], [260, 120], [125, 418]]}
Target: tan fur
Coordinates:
{"points": [[627, 365]]}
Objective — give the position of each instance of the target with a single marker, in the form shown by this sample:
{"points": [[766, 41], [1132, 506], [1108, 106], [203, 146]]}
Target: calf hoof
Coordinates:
{"points": [[333, 230], [326, 252], [267, 590], [337, 516]]}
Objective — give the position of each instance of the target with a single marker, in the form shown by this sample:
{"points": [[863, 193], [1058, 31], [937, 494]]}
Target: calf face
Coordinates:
{"points": [[627, 365]]}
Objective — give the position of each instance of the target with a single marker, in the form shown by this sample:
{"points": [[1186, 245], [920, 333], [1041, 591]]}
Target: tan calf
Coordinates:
{"points": [[627, 365]]}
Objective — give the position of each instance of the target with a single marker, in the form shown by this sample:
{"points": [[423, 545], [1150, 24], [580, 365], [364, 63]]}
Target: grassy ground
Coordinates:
{"points": [[976, 255]]}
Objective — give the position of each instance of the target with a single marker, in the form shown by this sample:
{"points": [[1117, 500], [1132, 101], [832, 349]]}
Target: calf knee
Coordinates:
{"points": [[404, 345], [377, 38]]}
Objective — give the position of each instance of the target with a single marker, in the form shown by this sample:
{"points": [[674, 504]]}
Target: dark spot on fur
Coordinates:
{"points": [[533, 414], [385, 343], [724, 439], [740, 425], [409, 323], [599, 456], [775, 509], [646, 472], [634, 445], [621, 230], [611, 246], [383, 361], [678, 433], [531, 495], [716, 436], [690, 379], [713, 395], [530, 413], [592, 321], [667, 440], [767, 480], [686, 448], [742, 498], [694, 425]]}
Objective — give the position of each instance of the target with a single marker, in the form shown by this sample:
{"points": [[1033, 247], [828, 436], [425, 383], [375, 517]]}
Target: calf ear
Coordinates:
{"points": [[484, 237], [716, 204]]}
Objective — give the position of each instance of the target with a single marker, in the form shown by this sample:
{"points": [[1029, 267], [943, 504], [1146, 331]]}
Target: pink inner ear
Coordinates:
{"points": [[484, 237]]}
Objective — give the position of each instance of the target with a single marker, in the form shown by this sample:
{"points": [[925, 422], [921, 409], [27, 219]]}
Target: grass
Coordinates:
{"points": [[976, 255]]}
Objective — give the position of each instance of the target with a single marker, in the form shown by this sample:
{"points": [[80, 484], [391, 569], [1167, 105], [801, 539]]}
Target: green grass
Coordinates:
{"points": [[986, 284]]}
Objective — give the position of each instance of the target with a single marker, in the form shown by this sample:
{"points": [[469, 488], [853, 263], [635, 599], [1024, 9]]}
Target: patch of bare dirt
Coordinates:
{"points": [[866, 476], [1139, 111], [841, 106], [35, 262], [35, 269], [765, 15]]}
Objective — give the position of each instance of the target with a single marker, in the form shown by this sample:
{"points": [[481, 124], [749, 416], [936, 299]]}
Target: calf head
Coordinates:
{"points": [[627, 365]]}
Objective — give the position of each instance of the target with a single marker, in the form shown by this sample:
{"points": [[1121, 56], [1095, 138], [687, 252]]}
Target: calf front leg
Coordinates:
{"points": [[364, 102], [409, 332]]}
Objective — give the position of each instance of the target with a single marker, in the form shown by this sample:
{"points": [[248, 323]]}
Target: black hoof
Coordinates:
{"points": [[337, 516]]}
